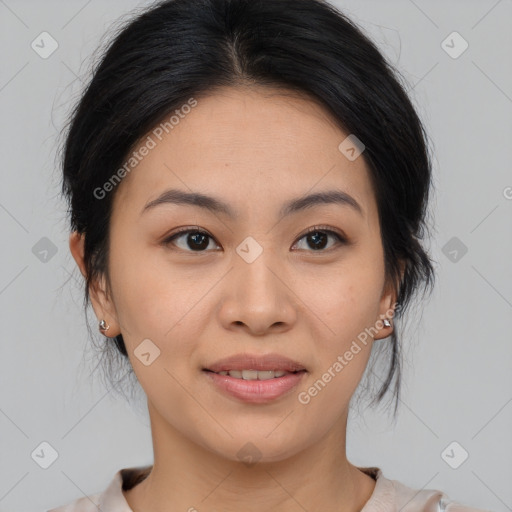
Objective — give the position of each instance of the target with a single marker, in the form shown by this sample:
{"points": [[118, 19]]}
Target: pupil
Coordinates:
{"points": [[201, 244], [317, 243]]}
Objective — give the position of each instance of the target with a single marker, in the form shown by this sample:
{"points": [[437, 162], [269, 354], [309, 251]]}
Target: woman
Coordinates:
{"points": [[248, 184]]}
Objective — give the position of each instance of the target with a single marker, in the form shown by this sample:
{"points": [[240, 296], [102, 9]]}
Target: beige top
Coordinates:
{"points": [[388, 496]]}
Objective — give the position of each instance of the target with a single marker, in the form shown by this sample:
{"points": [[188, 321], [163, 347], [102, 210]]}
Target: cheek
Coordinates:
{"points": [[345, 308], [158, 301], [141, 292], [345, 298]]}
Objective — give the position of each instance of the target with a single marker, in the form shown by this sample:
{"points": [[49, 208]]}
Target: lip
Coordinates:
{"points": [[255, 391], [264, 362]]}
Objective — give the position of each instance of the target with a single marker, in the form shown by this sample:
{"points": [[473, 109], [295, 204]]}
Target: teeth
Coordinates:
{"points": [[254, 374]]}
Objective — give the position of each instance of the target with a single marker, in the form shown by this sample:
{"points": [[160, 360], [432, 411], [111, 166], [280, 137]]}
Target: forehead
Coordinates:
{"points": [[252, 145]]}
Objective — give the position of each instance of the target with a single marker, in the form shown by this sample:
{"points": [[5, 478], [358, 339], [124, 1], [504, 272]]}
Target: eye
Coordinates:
{"points": [[195, 240], [318, 236]]}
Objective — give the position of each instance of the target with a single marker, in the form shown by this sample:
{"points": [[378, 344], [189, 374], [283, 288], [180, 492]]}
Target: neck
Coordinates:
{"points": [[186, 476]]}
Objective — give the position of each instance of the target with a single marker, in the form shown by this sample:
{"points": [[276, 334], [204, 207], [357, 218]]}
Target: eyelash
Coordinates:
{"points": [[342, 240]]}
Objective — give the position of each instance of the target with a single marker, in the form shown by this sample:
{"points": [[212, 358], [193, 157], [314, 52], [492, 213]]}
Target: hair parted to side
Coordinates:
{"points": [[179, 49]]}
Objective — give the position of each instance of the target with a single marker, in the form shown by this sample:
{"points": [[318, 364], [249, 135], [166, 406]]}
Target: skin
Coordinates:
{"points": [[254, 148]]}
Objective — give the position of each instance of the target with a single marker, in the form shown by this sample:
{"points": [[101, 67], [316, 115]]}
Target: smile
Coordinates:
{"points": [[255, 374]]}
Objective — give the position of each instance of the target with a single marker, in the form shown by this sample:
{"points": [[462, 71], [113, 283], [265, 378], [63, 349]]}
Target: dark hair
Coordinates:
{"points": [[179, 49]]}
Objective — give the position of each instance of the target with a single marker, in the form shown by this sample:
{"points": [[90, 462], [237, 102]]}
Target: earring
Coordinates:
{"points": [[103, 326], [386, 322]]}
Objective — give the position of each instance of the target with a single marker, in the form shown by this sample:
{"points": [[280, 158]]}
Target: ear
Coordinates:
{"points": [[102, 303], [387, 305]]}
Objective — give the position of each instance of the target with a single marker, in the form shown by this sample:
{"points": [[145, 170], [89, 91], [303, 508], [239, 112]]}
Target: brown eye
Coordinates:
{"points": [[197, 240], [317, 238], [193, 240]]}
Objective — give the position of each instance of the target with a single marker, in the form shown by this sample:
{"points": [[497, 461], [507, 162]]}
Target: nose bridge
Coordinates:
{"points": [[256, 266], [257, 295]]}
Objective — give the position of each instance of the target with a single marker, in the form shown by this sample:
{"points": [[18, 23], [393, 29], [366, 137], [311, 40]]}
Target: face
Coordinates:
{"points": [[252, 283]]}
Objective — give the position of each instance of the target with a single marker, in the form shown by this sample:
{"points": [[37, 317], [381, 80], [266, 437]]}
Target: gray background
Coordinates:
{"points": [[457, 379]]}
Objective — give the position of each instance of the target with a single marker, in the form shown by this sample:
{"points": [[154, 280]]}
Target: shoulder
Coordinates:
{"points": [[392, 495], [428, 500], [85, 504], [112, 497]]}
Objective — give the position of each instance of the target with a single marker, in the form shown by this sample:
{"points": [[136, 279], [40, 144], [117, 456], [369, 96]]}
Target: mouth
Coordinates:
{"points": [[255, 374], [255, 378]]}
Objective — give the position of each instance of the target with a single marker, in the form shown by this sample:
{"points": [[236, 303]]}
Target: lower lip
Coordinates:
{"points": [[256, 391]]}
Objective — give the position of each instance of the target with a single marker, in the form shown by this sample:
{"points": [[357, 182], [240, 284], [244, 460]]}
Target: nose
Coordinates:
{"points": [[258, 296]]}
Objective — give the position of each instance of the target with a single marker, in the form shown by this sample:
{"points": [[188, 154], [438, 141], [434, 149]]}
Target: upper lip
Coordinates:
{"points": [[265, 362]]}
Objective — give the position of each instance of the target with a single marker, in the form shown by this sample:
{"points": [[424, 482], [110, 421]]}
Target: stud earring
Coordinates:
{"points": [[103, 326], [386, 322]]}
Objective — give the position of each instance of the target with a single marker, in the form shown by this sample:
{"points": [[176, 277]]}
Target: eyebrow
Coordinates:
{"points": [[214, 205]]}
